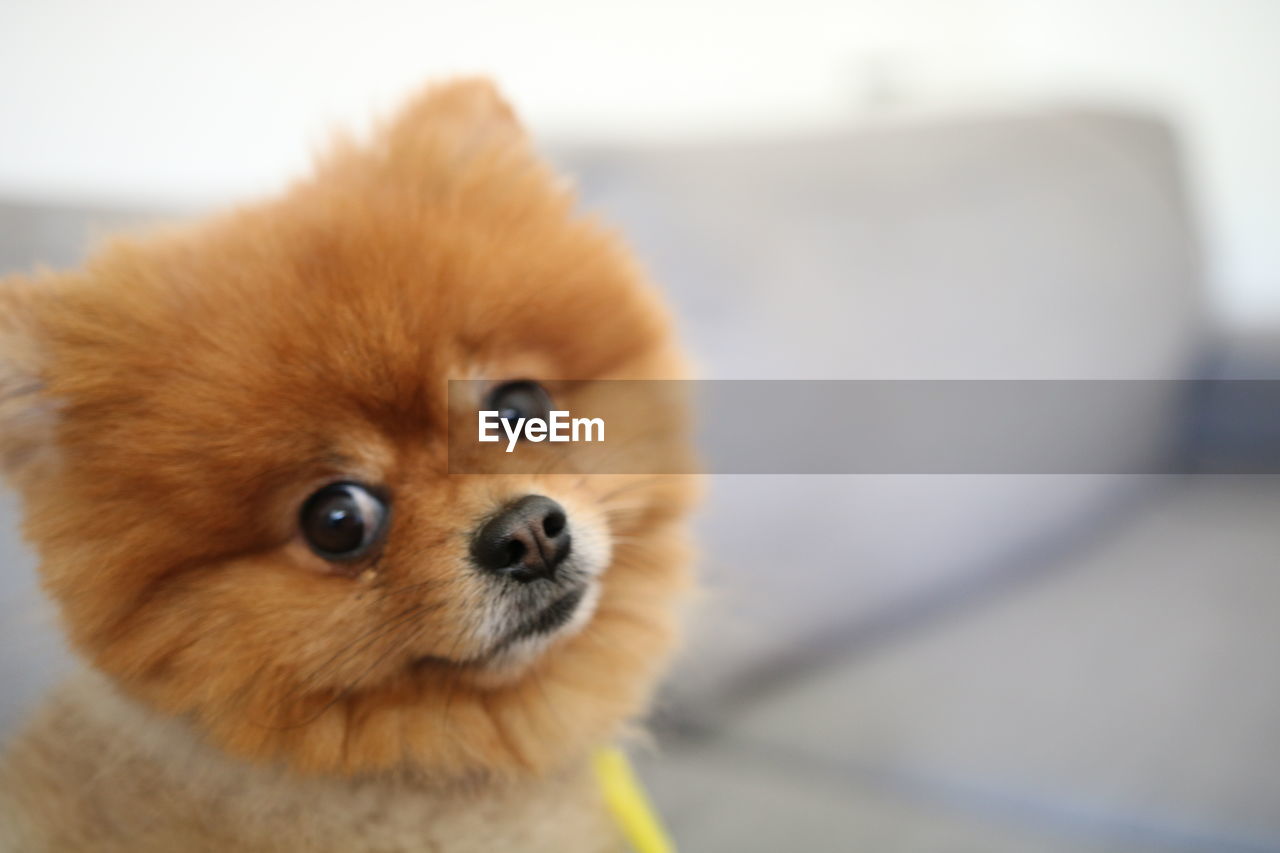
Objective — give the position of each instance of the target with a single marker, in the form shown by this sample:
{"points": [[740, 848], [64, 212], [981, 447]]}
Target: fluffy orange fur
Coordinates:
{"points": [[166, 409]]}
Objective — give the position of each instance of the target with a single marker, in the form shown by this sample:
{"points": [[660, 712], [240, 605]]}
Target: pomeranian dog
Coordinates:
{"points": [[300, 630]]}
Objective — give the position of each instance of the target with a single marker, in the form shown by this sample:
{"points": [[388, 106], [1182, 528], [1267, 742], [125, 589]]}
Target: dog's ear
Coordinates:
{"points": [[469, 111], [26, 414], [442, 134], [460, 134]]}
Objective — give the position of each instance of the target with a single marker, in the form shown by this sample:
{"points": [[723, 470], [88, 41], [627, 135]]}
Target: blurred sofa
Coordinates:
{"points": [[1053, 244], [968, 662], [1044, 245]]}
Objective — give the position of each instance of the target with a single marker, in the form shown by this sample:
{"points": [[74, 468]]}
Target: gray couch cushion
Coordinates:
{"points": [[1036, 246]]}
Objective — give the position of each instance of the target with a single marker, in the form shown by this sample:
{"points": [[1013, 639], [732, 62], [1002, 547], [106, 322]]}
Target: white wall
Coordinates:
{"points": [[160, 102], [1212, 65]]}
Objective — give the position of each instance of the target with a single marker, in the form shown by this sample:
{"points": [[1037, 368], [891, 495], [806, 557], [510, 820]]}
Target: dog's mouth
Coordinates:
{"points": [[543, 623], [552, 617]]}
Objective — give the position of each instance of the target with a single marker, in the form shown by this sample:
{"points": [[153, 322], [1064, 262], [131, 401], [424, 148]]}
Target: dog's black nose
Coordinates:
{"points": [[527, 540]]}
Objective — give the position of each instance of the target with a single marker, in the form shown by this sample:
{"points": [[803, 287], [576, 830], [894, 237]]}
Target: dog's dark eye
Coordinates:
{"points": [[520, 399], [342, 521]]}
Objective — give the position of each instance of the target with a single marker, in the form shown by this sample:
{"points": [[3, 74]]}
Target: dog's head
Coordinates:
{"points": [[231, 440]]}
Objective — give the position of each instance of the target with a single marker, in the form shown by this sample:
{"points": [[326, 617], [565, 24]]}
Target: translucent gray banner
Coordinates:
{"points": [[869, 427]]}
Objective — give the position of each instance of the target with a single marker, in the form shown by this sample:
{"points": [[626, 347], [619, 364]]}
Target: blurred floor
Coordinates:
{"points": [[1126, 700]]}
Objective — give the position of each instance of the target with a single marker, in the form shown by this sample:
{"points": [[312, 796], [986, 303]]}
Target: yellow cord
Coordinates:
{"points": [[627, 802]]}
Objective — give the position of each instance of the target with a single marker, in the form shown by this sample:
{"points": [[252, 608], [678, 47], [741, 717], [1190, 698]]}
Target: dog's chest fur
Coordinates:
{"points": [[95, 773]]}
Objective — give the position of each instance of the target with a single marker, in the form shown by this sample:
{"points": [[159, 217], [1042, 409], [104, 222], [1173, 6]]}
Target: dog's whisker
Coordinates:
{"points": [[387, 630], [22, 391], [359, 645]]}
